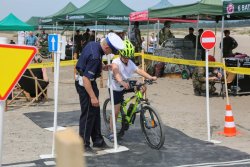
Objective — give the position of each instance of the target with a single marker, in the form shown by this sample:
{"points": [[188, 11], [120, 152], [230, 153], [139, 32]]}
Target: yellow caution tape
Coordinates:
{"points": [[51, 64], [182, 61], [236, 70]]}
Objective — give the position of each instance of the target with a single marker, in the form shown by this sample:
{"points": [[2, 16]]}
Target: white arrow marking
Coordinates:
{"points": [[207, 40], [53, 43]]}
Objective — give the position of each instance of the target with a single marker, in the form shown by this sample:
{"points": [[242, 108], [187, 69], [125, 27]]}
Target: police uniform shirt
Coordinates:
{"points": [[90, 61]]}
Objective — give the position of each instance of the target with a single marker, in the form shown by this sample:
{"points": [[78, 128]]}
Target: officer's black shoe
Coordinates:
{"points": [[89, 151], [101, 147]]}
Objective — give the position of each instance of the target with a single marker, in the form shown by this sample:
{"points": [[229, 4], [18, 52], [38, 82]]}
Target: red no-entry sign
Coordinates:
{"points": [[208, 39]]}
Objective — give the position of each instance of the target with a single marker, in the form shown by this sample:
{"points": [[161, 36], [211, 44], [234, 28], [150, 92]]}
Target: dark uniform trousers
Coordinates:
{"points": [[90, 119]]}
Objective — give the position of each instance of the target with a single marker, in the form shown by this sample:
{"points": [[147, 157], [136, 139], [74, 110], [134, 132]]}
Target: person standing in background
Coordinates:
{"points": [[229, 43], [77, 44], [31, 39], [92, 36], [135, 37], [85, 38], [191, 36], [202, 50], [165, 33]]}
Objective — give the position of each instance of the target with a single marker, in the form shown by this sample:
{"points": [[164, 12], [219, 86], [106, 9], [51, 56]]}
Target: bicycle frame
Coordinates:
{"points": [[138, 97]]}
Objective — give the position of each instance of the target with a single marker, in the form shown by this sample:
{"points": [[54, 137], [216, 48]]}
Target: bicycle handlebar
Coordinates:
{"points": [[146, 82]]}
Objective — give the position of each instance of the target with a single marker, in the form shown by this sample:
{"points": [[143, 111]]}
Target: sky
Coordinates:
{"points": [[24, 9]]}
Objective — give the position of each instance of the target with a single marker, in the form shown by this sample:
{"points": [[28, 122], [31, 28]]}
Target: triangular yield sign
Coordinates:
{"points": [[14, 60]]}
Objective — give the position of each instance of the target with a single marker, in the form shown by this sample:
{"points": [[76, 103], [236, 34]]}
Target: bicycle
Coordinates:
{"points": [[149, 118]]}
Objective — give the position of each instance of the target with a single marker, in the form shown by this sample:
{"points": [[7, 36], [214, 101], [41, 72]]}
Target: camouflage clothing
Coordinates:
{"points": [[165, 34], [199, 80], [135, 38]]}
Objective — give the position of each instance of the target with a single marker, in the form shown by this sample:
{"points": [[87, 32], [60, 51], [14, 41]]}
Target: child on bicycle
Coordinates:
{"points": [[122, 70]]}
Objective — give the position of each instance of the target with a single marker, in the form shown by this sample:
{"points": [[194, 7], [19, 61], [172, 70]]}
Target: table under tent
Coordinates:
{"points": [[237, 10]]}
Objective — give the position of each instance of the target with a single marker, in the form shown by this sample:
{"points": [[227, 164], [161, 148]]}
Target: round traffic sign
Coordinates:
{"points": [[208, 39]]}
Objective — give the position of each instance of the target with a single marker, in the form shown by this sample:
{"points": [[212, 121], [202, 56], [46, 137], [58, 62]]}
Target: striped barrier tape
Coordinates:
{"points": [[236, 70], [182, 61], [51, 64]]}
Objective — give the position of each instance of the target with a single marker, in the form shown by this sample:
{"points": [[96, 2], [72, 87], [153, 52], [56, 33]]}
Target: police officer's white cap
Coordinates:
{"points": [[115, 42]]}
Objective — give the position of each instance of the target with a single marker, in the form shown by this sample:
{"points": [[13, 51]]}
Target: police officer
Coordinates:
{"points": [[89, 67]]}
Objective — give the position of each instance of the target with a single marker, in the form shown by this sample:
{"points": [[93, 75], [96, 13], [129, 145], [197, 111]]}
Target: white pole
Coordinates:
{"points": [[197, 33], [207, 99], [95, 29], [73, 42], [3, 40], [56, 26], [57, 66], [129, 29], [158, 34], [222, 29], [2, 107], [113, 107], [225, 79]]}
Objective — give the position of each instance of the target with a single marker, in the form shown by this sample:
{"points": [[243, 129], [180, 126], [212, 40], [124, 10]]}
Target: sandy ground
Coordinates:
{"points": [[173, 98]]}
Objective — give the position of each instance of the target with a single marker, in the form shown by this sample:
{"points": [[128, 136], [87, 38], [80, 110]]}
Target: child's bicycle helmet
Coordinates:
{"points": [[128, 51]]}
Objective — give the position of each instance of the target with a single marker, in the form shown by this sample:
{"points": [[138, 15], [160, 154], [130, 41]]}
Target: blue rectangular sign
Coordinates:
{"points": [[53, 42]]}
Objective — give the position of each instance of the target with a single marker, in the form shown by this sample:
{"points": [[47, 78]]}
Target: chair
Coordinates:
{"points": [[230, 80], [31, 87]]}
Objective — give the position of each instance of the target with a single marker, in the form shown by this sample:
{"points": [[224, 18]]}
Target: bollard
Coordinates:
{"points": [[69, 149]]}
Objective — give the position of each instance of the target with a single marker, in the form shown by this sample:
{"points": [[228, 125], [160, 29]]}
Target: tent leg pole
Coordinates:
{"points": [[95, 30], [222, 29], [158, 34], [215, 30], [196, 42]]}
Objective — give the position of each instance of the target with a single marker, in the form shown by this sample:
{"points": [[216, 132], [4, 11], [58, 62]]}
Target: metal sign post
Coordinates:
{"points": [[55, 46], [116, 147], [208, 41], [2, 106]]}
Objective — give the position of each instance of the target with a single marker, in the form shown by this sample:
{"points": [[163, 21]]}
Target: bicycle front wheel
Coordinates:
{"points": [[107, 116], [152, 127]]}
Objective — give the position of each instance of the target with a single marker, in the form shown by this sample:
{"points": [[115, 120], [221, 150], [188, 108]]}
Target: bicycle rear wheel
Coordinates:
{"points": [[107, 115], [152, 127]]}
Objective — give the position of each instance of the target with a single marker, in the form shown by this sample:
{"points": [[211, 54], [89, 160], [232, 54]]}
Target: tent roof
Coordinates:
{"points": [[61, 14], [34, 21], [204, 7], [162, 4], [143, 16], [12, 23], [236, 9], [70, 7], [108, 10]]}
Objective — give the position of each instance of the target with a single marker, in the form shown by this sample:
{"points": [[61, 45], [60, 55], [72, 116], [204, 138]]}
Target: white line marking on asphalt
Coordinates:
{"points": [[48, 163], [22, 165], [227, 163]]}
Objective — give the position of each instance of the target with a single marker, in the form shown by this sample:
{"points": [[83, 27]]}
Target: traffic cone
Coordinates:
{"points": [[229, 128]]}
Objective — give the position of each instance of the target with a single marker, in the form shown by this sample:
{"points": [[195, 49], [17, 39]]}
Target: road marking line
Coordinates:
{"points": [[21, 165], [48, 163], [237, 162]]}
